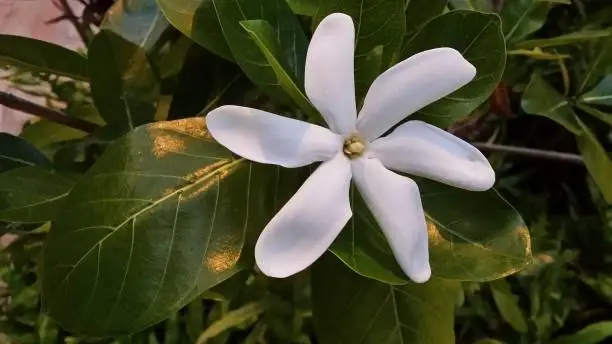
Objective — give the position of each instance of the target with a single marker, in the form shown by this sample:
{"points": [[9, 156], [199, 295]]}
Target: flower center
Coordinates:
{"points": [[353, 147]]}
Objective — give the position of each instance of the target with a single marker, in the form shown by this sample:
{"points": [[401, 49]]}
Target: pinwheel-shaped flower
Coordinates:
{"points": [[353, 149]]}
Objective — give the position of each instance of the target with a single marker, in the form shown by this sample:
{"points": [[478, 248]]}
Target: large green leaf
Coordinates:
{"points": [[593, 334], [32, 194], [479, 38], [600, 65], [41, 56], [377, 23], [418, 12], [16, 152], [164, 214], [138, 21], [597, 161], [570, 38], [348, 308], [124, 88], [541, 99], [197, 19], [521, 18], [473, 236]]}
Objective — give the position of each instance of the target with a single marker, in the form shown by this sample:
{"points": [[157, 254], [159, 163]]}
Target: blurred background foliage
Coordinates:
{"points": [[556, 96]]}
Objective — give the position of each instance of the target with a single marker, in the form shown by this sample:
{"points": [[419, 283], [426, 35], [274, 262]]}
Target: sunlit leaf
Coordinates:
{"points": [[41, 56], [164, 214], [348, 308]]}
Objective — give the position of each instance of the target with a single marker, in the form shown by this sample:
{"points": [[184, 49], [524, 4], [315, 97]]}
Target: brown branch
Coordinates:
{"points": [[11, 101], [75, 21], [531, 152]]}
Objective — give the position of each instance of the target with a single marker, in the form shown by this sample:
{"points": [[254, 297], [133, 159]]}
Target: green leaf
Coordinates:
{"points": [[32, 194], [604, 116], [348, 308], [377, 23], [507, 304], [225, 84], [16, 152], [521, 18], [419, 12], [236, 317], [41, 56], [599, 66], [124, 88], [304, 7], [592, 334], [601, 94], [163, 215], [44, 132], [597, 161], [197, 19], [541, 99], [473, 236], [474, 5], [479, 38], [264, 36], [570, 38], [138, 21]]}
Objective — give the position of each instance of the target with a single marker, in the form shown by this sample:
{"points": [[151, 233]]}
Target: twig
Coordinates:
{"points": [[75, 21], [536, 153], [11, 101]]}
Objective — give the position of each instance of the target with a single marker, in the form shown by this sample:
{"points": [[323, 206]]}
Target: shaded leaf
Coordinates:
{"points": [[124, 88], [237, 317], [597, 161], [521, 18], [377, 23], [41, 56], [163, 215], [419, 12], [541, 99], [600, 65], [604, 116], [479, 38], [32, 194], [466, 242], [348, 308], [474, 5], [507, 304], [592, 334], [570, 38], [16, 152], [138, 21], [601, 94]]}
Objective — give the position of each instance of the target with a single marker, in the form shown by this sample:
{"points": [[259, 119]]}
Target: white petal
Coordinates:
{"points": [[411, 85], [271, 139], [424, 150], [329, 76], [308, 224], [395, 202]]}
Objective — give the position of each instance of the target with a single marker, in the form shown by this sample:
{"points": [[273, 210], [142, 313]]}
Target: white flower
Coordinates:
{"points": [[351, 149]]}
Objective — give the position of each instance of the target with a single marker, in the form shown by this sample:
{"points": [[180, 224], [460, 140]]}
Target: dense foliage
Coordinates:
{"points": [[132, 225]]}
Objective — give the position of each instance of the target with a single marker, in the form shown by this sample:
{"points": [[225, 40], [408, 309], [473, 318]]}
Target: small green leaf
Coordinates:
{"points": [[304, 7], [541, 99], [592, 334], [16, 152], [124, 88], [197, 19], [265, 38], [236, 317], [419, 12], [138, 21], [604, 116], [507, 304], [473, 236], [570, 38], [348, 308], [377, 23], [478, 37], [521, 18], [163, 215], [597, 161], [32, 194], [600, 65], [41, 56], [601, 94]]}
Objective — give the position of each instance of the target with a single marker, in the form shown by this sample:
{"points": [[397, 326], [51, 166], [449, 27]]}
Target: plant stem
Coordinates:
{"points": [[11, 101], [536, 153], [75, 21]]}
